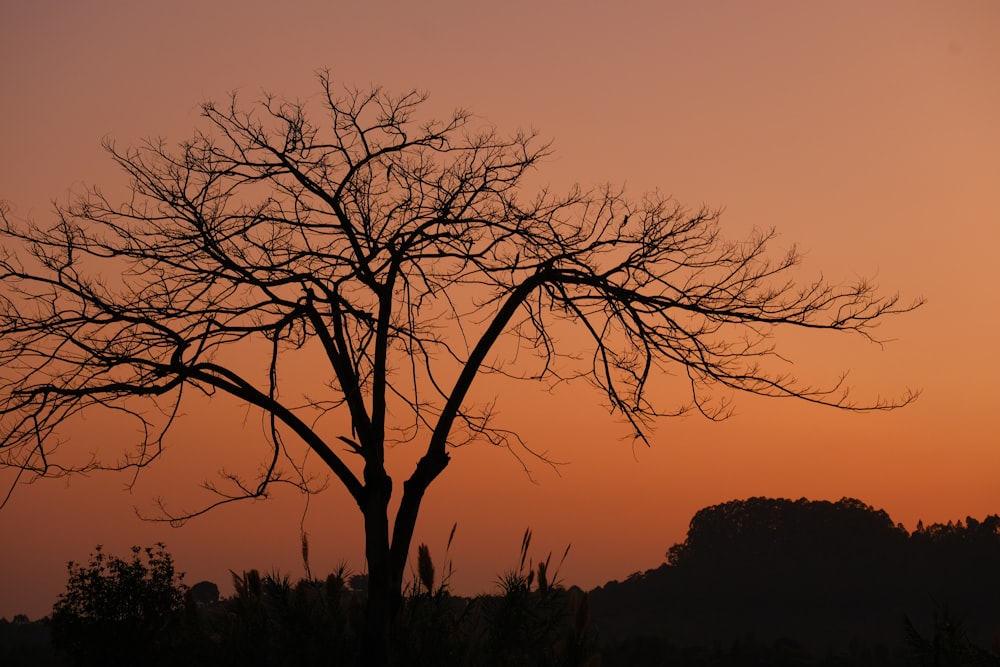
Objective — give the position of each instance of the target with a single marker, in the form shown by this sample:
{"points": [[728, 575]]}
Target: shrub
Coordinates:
{"points": [[118, 612]]}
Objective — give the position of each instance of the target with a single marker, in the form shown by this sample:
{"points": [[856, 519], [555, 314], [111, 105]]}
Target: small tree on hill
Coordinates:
{"points": [[403, 258]]}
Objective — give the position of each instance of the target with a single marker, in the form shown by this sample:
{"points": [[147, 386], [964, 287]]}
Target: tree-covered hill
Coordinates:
{"points": [[822, 573]]}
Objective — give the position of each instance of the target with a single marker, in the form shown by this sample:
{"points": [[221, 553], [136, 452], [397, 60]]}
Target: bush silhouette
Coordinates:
{"points": [[118, 612]]}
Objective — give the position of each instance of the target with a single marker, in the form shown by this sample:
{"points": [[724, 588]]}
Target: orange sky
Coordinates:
{"points": [[867, 133]]}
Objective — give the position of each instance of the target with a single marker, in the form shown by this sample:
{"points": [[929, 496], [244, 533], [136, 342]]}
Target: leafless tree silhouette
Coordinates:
{"points": [[404, 255]]}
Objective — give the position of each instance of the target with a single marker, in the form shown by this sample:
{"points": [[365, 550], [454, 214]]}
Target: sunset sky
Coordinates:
{"points": [[866, 133]]}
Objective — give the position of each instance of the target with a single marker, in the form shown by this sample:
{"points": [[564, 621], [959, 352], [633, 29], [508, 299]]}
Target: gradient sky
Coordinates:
{"points": [[866, 132]]}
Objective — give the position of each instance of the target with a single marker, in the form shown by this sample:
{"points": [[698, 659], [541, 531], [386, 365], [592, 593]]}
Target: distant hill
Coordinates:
{"points": [[822, 573]]}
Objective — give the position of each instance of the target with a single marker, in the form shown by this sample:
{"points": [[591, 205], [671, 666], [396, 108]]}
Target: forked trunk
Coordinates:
{"points": [[387, 560]]}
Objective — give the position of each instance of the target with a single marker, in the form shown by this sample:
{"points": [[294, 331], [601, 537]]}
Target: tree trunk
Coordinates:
{"points": [[387, 560], [383, 590]]}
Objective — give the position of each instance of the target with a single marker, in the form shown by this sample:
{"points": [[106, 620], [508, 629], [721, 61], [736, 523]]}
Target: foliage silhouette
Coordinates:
{"points": [[823, 573], [534, 620], [270, 620], [406, 253], [204, 593], [531, 619], [118, 612], [28, 644], [948, 644]]}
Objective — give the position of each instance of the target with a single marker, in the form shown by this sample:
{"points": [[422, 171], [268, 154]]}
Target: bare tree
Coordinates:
{"points": [[404, 255]]}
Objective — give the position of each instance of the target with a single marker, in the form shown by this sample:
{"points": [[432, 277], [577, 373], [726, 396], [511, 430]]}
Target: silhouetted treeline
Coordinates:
{"points": [[829, 578], [767, 582], [137, 611]]}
